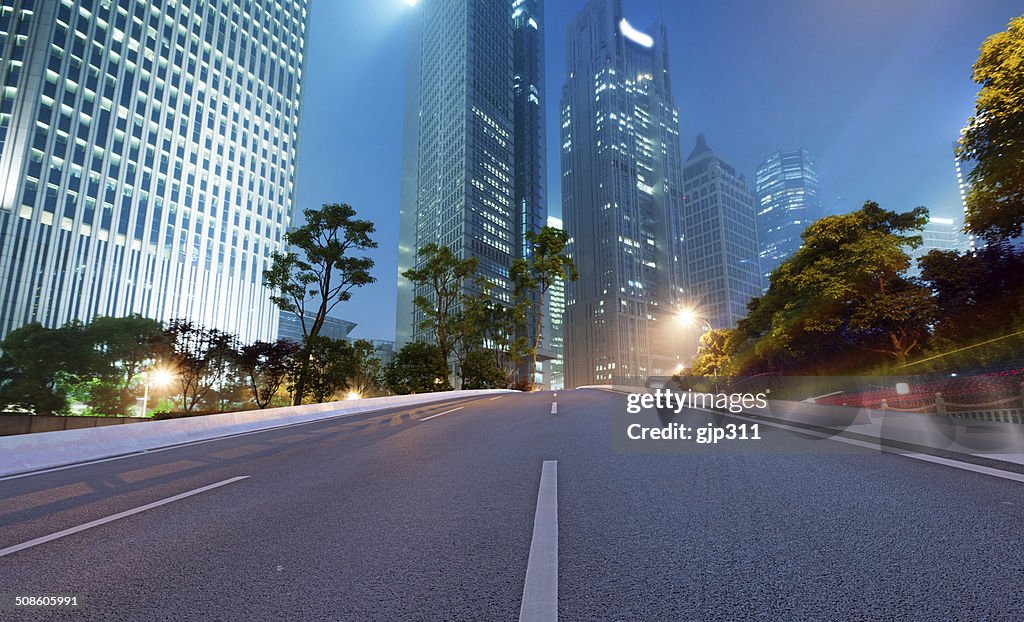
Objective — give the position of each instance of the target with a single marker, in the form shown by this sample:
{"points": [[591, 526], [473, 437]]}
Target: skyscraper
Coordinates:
{"points": [[721, 238], [474, 140], [621, 198], [787, 201], [147, 158]]}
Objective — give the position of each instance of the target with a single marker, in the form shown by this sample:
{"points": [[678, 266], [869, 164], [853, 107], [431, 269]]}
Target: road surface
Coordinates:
{"points": [[440, 512]]}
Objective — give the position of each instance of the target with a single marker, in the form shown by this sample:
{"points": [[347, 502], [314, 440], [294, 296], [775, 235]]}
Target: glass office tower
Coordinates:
{"points": [[721, 243], [621, 199], [788, 201], [147, 158], [473, 166]]}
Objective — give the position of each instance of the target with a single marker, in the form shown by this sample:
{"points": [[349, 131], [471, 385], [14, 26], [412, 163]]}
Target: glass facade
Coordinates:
{"points": [[148, 158], [474, 140], [788, 200], [554, 332], [621, 198], [721, 238]]}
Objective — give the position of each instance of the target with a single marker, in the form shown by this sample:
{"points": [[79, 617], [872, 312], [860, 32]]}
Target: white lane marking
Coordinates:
{"points": [[495, 398], [114, 517], [956, 464], [554, 408], [439, 414], [540, 594]]}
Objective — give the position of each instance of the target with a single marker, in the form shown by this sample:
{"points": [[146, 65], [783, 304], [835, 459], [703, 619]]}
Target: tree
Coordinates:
{"points": [[994, 138], [125, 346], [265, 367], [496, 329], [364, 374], [480, 371], [533, 276], [442, 274], [39, 364], [325, 274], [328, 367], [715, 355], [844, 289], [201, 359], [418, 367]]}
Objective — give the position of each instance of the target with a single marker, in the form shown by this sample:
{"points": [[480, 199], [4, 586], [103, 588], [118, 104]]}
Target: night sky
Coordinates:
{"points": [[876, 90]]}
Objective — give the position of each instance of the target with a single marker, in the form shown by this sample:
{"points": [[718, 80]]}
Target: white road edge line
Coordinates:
{"points": [[495, 398], [114, 517], [554, 408], [439, 414], [540, 593], [956, 464]]}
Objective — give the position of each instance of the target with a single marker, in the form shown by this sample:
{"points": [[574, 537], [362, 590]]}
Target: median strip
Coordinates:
{"points": [[114, 517], [540, 593]]}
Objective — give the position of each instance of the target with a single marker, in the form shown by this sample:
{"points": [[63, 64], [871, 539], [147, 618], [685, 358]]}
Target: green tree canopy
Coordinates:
{"points": [[418, 367], [321, 272], [442, 274], [994, 138], [547, 262], [844, 289]]}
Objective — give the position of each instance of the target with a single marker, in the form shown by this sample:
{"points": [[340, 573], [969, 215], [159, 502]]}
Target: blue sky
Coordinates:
{"points": [[877, 90]]}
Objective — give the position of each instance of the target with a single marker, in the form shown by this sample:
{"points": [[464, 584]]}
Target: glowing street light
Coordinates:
{"points": [[355, 395], [158, 378], [689, 317]]}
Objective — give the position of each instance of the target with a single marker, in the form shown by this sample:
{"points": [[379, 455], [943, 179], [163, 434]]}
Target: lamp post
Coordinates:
{"points": [[689, 317]]}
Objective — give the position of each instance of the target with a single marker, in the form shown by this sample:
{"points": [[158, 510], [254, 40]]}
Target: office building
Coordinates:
{"points": [[474, 141], [788, 201], [721, 238], [289, 327], [147, 158], [621, 198]]}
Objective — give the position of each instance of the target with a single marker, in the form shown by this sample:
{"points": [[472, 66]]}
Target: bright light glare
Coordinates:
{"points": [[635, 35], [687, 317], [411, 2], [356, 395], [160, 378]]}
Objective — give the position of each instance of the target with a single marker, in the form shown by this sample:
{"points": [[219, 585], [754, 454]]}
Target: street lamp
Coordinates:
{"points": [[158, 378], [689, 317]]}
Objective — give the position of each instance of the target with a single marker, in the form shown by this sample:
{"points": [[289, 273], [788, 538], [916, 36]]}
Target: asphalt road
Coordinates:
{"points": [[429, 513]]}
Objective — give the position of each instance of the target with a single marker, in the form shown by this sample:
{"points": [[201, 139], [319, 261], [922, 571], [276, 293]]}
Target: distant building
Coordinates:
{"points": [[554, 335], [473, 167], [621, 198], [964, 167], [721, 238], [290, 328], [788, 200], [148, 155], [940, 234]]}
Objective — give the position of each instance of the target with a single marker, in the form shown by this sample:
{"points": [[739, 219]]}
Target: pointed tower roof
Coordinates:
{"points": [[701, 148]]}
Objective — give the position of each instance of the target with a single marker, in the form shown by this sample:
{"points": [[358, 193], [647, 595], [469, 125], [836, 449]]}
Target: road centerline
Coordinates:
{"points": [[113, 517], [540, 592], [554, 408]]}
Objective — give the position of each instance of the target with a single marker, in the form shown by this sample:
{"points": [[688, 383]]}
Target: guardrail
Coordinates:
{"points": [[32, 452]]}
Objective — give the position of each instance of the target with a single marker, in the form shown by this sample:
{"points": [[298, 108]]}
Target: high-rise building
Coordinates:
{"points": [[554, 323], [787, 202], [939, 234], [721, 238], [474, 140], [621, 198], [964, 167], [147, 158]]}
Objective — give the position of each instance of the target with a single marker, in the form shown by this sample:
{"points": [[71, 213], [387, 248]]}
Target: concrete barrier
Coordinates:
{"points": [[32, 452], [11, 424]]}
